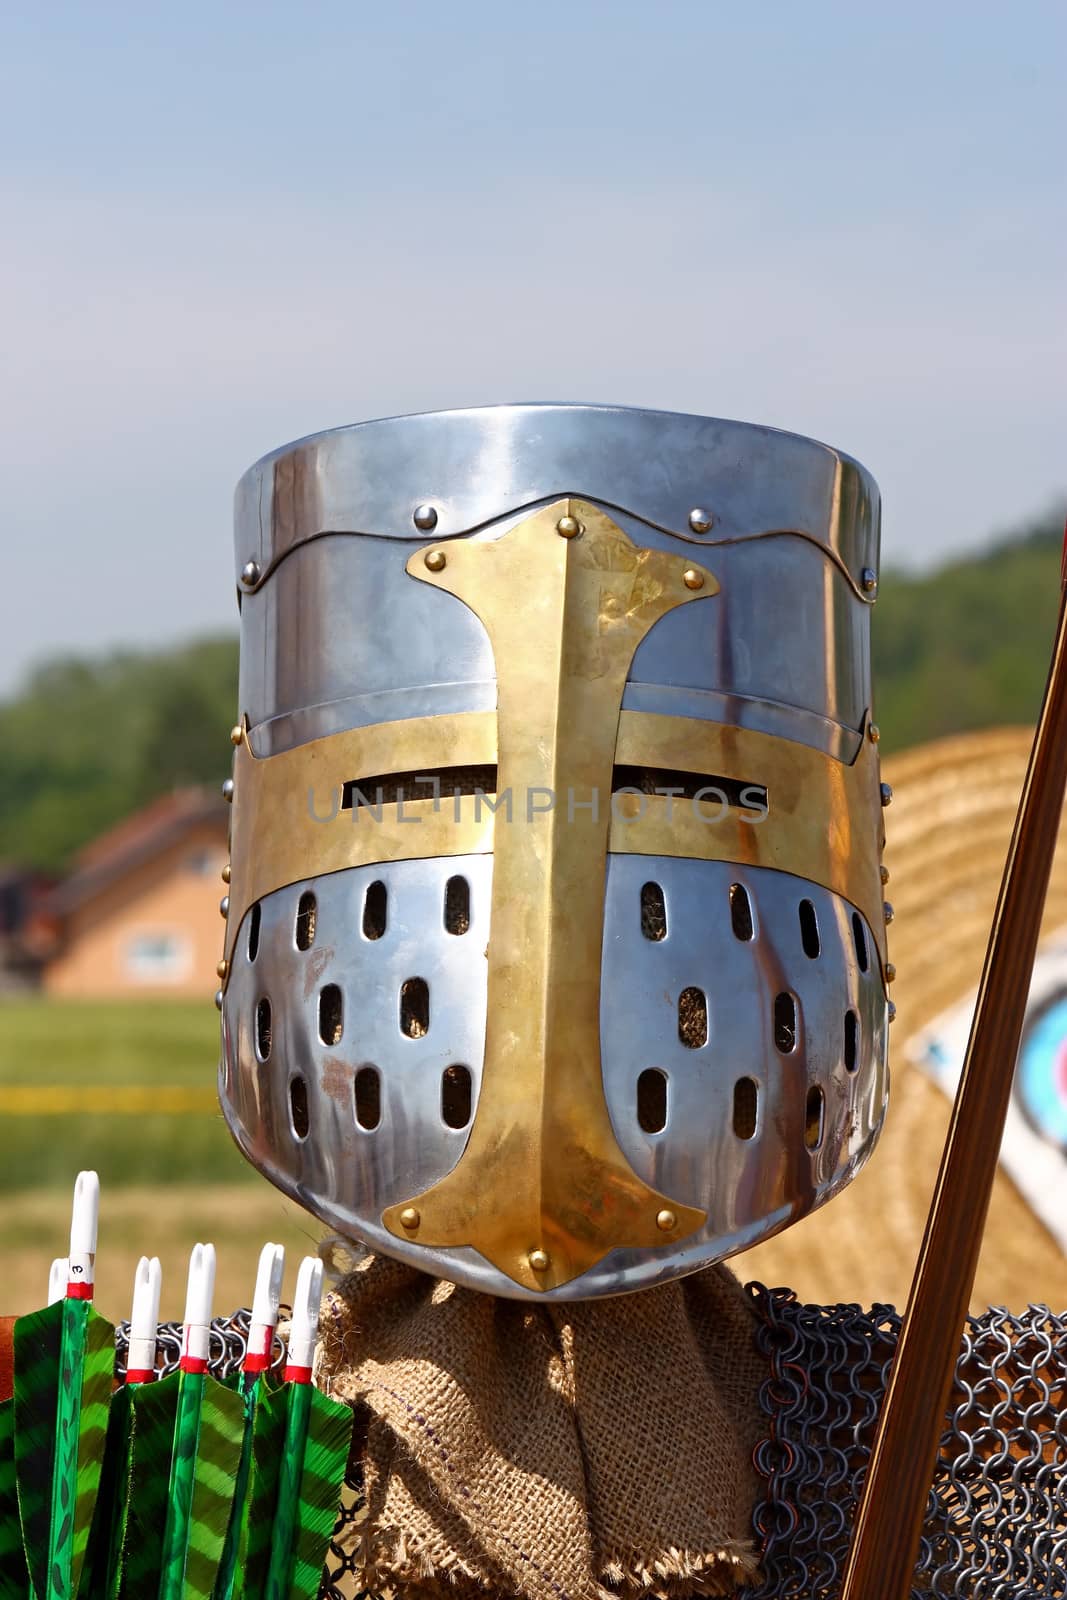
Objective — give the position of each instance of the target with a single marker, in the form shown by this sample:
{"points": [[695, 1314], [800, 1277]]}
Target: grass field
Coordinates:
{"points": [[77, 1081]]}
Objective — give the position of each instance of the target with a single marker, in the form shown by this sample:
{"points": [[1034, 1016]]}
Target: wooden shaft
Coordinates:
{"points": [[885, 1543]]}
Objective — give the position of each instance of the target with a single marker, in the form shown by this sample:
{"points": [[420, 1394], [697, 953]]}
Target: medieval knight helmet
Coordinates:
{"points": [[555, 940]]}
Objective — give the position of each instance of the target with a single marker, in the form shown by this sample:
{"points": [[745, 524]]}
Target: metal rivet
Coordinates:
{"points": [[692, 578], [237, 733], [700, 520], [250, 574], [666, 1220], [424, 517], [219, 997], [539, 1260], [892, 1012], [883, 873], [568, 527], [224, 906], [435, 560], [227, 873], [227, 789], [890, 972], [874, 732], [410, 1218], [223, 968], [886, 793], [887, 912], [869, 580]]}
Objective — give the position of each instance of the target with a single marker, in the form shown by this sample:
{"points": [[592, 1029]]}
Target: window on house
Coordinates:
{"points": [[158, 957]]}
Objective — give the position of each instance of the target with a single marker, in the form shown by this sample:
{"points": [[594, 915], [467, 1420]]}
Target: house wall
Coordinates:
{"points": [[155, 931]]}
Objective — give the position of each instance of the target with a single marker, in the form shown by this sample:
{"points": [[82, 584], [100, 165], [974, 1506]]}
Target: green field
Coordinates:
{"points": [[113, 1046], [167, 1180]]}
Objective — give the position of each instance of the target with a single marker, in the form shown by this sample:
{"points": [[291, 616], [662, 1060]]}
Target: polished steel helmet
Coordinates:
{"points": [[555, 940]]}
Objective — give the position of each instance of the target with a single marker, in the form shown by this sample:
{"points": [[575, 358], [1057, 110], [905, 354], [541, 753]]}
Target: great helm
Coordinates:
{"points": [[555, 940]]}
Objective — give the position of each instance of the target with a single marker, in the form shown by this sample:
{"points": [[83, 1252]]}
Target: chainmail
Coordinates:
{"points": [[996, 1517]]}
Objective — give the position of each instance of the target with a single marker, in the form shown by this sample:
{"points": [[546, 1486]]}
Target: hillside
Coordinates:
{"points": [[967, 645], [89, 740]]}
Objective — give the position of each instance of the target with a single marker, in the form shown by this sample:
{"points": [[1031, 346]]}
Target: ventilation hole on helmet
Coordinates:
{"points": [[809, 930], [306, 913], [785, 1022], [813, 1116], [859, 938], [254, 919], [298, 1107], [456, 1096], [375, 909], [652, 1100], [746, 1105], [740, 911], [263, 1029], [414, 1008], [653, 912], [331, 1015], [852, 1040], [368, 1093], [693, 1018], [457, 907]]}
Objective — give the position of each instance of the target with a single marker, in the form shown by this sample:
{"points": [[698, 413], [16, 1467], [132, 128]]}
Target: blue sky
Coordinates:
{"points": [[226, 226]]}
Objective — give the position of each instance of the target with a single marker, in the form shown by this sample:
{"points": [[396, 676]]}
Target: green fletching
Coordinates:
{"points": [[329, 1440], [298, 1396], [218, 1455], [14, 1579], [36, 1341], [102, 1568], [268, 1434], [152, 1411], [180, 1487], [98, 1372], [64, 1358], [249, 1387], [318, 1433], [61, 1579]]}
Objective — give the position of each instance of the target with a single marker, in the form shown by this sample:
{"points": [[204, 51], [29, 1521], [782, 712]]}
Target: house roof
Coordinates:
{"points": [[136, 839]]}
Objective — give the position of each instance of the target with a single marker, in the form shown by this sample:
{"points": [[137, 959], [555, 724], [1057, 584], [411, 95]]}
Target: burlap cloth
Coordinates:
{"points": [[568, 1452]]}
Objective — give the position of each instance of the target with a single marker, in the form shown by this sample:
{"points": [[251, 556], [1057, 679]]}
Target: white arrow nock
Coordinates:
{"points": [[265, 1304], [196, 1333], [304, 1332], [84, 1217], [144, 1321], [57, 1280]]}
